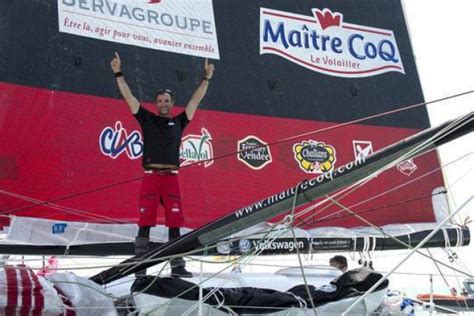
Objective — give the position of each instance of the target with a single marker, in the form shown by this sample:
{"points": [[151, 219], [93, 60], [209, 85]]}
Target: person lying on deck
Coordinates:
{"points": [[339, 262]]}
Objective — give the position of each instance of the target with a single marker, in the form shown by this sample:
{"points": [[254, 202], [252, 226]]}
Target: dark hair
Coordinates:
{"points": [[163, 91], [340, 260]]}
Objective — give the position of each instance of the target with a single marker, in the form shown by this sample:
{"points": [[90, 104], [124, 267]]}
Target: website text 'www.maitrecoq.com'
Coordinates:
{"points": [[330, 175]]}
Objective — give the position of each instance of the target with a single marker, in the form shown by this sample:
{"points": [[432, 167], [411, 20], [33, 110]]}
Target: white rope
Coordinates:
{"points": [[392, 189], [460, 236], [447, 244], [278, 231], [58, 207]]}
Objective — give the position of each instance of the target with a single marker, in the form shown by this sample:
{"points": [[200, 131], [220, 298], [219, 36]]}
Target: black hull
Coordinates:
{"points": [[282, 246]]}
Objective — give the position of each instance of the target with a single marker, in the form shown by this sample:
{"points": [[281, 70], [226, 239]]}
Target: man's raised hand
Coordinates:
{"points": [[115, 63], [208, 69]]}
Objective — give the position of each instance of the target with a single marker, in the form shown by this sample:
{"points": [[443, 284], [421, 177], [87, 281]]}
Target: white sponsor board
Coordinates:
{"points": [[325, 43], [184, 26]]}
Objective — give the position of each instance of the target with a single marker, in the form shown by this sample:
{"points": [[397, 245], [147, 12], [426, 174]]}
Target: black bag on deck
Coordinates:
{"points": [[258, 300]]}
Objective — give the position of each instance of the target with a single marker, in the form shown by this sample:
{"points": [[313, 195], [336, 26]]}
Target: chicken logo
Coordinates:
{"points": [[327, 18], [314, 156]]}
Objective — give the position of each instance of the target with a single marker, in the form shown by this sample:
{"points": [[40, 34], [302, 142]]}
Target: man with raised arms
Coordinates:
{"points": [[162, 135]]}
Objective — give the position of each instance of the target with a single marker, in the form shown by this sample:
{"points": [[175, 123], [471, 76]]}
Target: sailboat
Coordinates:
{"points": [[70, 150], [237, 221]]}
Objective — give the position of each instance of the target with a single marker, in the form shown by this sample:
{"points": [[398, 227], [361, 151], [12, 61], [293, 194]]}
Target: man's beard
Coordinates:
{"points": [[164, 110]]}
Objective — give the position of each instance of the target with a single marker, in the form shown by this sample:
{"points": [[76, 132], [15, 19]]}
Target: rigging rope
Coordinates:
{"points": [[333, 127], [415, 150], [298, 251], [330, 198], [361, 202], [389, 165], [327, 217]]}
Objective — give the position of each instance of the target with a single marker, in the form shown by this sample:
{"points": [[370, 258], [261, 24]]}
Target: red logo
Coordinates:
{"points": [[154, 1], [327, 18]]}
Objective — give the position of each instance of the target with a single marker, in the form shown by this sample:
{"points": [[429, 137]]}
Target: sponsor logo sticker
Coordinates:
{"points": [[314, 157], [362, 148], [254, 152], [113, 141], [288, 245], [407, 167], [195, 148], [244, 245], [323, 42]]}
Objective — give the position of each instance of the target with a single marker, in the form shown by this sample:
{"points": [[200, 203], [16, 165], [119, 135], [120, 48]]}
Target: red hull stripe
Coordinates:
{"points": [[25, 290], [12, 291], [37, 294]]}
